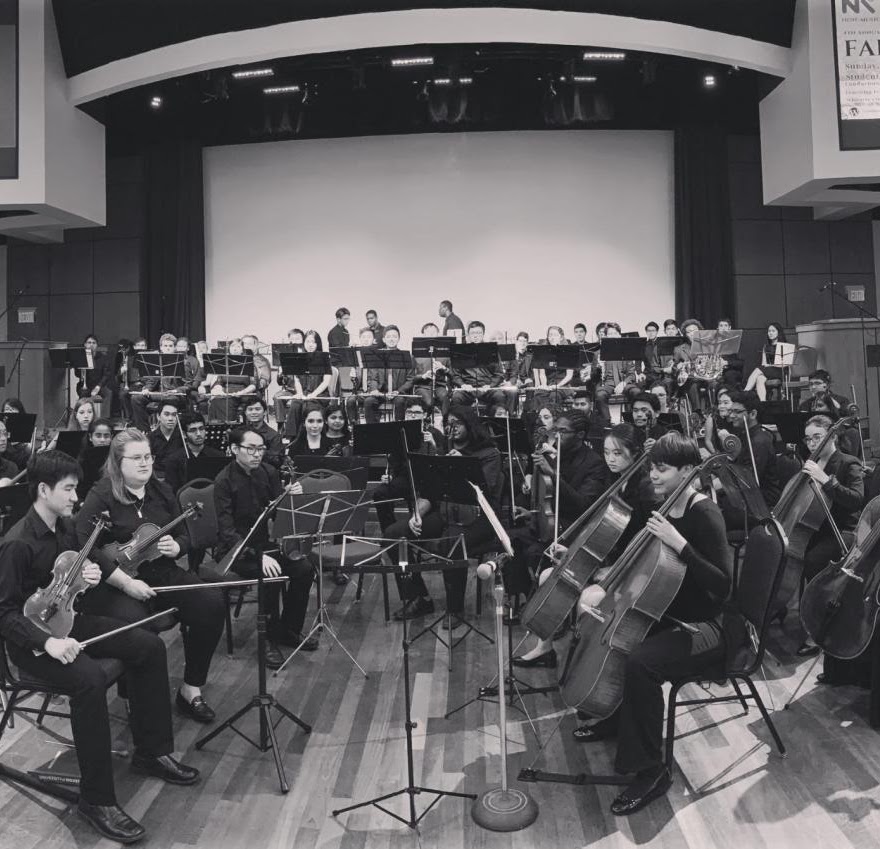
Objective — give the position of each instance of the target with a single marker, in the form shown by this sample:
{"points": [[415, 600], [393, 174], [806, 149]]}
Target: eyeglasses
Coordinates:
{"points": [[140, 458], [565, 430], [812, 440], [253, 450]]}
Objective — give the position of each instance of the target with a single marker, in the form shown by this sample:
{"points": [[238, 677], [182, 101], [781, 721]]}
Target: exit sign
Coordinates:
{"points": [[27, 315], [855, 293]]}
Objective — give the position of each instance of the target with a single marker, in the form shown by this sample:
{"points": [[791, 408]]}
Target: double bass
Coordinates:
{"points": [[635, 595], [801, 510], [840, 606], [595, 532]]}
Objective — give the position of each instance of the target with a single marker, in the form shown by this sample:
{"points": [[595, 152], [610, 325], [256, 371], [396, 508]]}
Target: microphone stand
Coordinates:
{"points": [[263, 701]]}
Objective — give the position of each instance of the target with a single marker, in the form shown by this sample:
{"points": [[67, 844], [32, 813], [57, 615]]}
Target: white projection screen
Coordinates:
{"points": [[520, 230]]}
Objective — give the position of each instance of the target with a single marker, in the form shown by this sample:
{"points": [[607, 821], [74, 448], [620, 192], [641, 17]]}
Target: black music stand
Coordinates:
{"points": [[315, 518], [385, 437], [622, 349], [71, 442], [14, 504], [263, 701], [20, 426], [405, 570], [300, 364], [344, 357], [555, 356], [465, 355], [438, 479], [157, 364], [69, 358], [226, 365], [284, 348]]}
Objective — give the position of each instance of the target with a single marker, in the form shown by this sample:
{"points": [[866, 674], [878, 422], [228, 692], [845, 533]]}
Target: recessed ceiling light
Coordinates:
{"points": [[710, 80], [253, 72], [465, 80], [281, 89], [442, 81], [156, 102], [412, 60], [604, 55], [579, 78]]}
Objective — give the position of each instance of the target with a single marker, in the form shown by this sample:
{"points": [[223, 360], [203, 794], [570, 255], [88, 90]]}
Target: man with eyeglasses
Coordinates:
{"points": [[757, 454], [241, 492], [823, 401], [842, 481], [196, 432]]}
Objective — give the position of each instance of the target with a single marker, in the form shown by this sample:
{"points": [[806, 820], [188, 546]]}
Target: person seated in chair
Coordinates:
{"points": [[645, 409], [388, 384], [480, 382], [165, 438], [255, 419], [618, 378], [156, 389], [307, 389], [694, 529], [823, 401], [196, 432], [241, 492], [27, 555]]}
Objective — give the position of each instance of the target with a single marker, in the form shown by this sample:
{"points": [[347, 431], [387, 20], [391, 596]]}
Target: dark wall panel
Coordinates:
{"points": [[852, 247], [758, 297], [757, 247], [40, 328], [805, 244], [70, 317], [27, 268], [804, 300], [845, 309], [746, 196], [117, 316], [118, 265], [70, 268]]}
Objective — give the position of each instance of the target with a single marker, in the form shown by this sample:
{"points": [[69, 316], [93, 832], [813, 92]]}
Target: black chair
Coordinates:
{"points": [[19, 688], [754, 601]]}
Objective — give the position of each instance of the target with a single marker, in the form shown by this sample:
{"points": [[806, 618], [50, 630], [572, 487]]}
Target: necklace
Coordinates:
{"points": [[138, 503]]}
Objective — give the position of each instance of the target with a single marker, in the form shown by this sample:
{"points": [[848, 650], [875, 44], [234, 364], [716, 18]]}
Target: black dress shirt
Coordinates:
{"points": [[159, 507], [239, 498], [584, 477], [176, 472], [338, 337], [27, 554], [161, 447]]}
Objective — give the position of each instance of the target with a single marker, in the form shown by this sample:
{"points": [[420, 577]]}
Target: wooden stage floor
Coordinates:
{"points": [[730, 789]]}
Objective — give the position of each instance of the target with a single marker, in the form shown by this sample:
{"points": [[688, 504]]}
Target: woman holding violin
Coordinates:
{"points": [[842, 481], [133, 496], [687, 640], [622, 448]]}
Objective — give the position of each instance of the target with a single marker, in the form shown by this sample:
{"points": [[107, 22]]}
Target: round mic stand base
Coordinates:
{"points": [[503, 808]]}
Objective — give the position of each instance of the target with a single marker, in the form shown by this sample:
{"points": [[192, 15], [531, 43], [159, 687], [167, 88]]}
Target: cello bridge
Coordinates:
{"points": [[850, 574]]}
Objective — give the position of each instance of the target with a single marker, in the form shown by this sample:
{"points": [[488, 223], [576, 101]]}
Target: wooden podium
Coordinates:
{"points": [[40, 387], [841, 348]]}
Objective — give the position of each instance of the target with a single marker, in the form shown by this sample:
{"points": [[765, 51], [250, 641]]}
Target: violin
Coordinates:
{"points": [[51, 608], [144, 543], [631, 599], [801, 510], [597, 531], [839, 607]]}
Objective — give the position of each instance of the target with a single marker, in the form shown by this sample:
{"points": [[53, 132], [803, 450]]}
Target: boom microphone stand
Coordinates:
{"points": [[262, 702]]}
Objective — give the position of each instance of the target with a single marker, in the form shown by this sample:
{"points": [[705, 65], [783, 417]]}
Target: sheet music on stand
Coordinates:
{"points": [[784, 355], [71, 358], [715, 343], [229, 365], [157, 364], [435, 347]]}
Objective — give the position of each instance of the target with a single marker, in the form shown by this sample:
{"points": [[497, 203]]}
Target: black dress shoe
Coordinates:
{"points": [[197, 709], [274, 658], [594, 733], [111, 821], [641, 792], [340, 579], [417, 607], [547, 661], [282, 636], [165, 767], [807, 650]]}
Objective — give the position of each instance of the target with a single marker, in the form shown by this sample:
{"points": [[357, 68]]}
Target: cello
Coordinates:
{"points": [[840, 606], [801, 510], [596, 532], [635, 595]]}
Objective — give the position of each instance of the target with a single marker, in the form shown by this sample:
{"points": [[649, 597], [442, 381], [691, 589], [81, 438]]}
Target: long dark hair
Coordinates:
{"points": [[478, 437], [779, 329], [336, 408]]}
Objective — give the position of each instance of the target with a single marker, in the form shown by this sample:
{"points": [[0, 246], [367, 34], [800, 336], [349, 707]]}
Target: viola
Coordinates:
{"points": [[801, 510], [840, 606], [51, 608], [635, 595], [144, 543], [596, 532]]}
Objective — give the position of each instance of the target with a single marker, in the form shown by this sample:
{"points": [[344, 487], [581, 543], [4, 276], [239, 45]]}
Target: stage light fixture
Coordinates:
{"points": [[442, 81], [253, 73], [710, 81], [580, 78], [465, 80], [156, 102], [282, 89], [411, 61], [604, 56]]}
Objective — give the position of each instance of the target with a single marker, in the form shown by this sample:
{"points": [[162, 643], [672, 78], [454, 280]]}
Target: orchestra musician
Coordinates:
{"points": [[683, 360], [622, 447], [767, 370], [8, 467], [694, 529], [93, 455], [645, 408], [83, 415], [656, 371], [822, 400], [131, 495], [165, 438], [431, 372], [306, 388], [670, 327], [193, 373], [27, 555], [518, 373], [841, 478], [732, 374], [220, 388], [618, 378], [95, 382], [553, 384], [481, 382], [255, 419], [338, 336], [359, 379], [716, 421], [157, 389], [452, 324], [337, 433], [195, 432], [241, 492], [287, 382], [311, 439], [388, 384]]}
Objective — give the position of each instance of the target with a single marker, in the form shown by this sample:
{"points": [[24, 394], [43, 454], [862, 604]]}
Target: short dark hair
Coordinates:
{"points": [[669, 321], [89, 336], [50, 468], [523, 334], [447, 304], [749, 399], [578, 421], [688, 322], [15, 403], [818, 374], [416, 402], [342, 312], [651, 324], [648, 398], [429, 324], [627, 436], [96, 423], [393, 327], [191, 419], [237, 434], [476, 324], [371, 312], [256, 400], [581, 326], [168, 402], [675, 449], [613, 324], [601, 326], [725, 319]]}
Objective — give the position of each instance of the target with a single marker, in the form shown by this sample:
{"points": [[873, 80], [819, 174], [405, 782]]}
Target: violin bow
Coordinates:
{"points": [[752, 453], [556, 510]]}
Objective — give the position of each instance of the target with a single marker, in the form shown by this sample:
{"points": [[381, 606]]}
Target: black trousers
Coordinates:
{"points": [[603, 395], [373, 403], [294, 594], [490, 398], [396, 488], [414, 587], [665, 655], [201, 612], [440, 396], [146, 671]]}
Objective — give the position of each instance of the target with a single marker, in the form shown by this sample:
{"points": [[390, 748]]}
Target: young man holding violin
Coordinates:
{"points": [[686, 641], [27, 555], [842, 481]]}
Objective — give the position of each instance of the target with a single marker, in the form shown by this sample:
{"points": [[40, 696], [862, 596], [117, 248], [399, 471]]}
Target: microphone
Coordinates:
{"points": [[828, 285], [490, 567]]}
